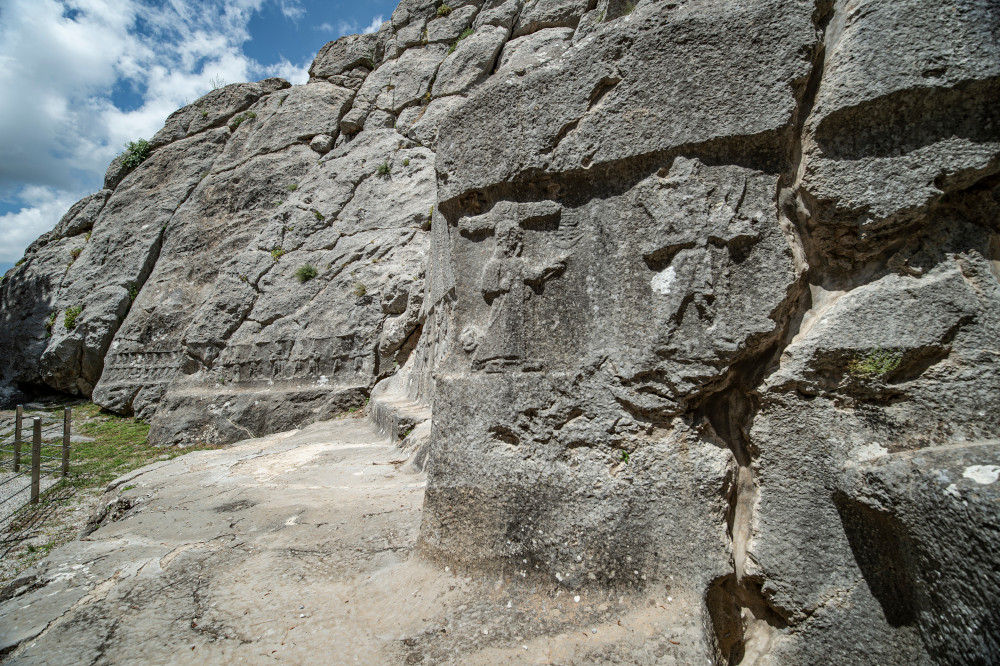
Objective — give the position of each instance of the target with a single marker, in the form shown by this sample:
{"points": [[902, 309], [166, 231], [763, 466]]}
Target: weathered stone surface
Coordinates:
{"points": [[754, 206], [422, 123], [408, 11], [704, 296], [249, 332], [535, 49], [923, 532], [608, 101], [322, 143], [345, 54], [900, 121], [81, 216], [298, 545], [471, 62], [542, 14], [498, 13], [448, 28], [212, 110]]}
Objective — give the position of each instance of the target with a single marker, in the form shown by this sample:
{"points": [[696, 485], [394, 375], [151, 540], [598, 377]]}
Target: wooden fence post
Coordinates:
{"points": [[67, 427], [36, 459], [18, 415]]}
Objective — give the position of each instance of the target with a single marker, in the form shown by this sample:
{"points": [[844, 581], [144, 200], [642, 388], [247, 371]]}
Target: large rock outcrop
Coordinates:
{"points": [[704, 296]]}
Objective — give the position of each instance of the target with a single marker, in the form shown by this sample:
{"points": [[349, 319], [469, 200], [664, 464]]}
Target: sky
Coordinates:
{"points": [[80, 78]]}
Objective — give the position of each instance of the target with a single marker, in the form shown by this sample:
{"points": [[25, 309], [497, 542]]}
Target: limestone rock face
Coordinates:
{"points": [[236, 282], [704, 296], [685, 325]]}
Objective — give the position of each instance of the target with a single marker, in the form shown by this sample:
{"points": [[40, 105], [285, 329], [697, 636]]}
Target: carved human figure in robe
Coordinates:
{"points": [[507, 283]]}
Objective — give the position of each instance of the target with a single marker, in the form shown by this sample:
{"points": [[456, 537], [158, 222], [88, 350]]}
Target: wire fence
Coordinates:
{"points": [[34, 452]]}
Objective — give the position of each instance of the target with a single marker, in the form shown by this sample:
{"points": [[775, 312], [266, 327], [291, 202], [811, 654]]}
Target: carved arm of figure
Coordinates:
{"points": [[536, 276]]}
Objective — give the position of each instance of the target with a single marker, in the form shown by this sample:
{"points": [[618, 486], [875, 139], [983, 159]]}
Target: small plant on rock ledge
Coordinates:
{"points": [[72, 313], [444, 10], [465, 33], [306, 272], [277, 253], [384, 169], [875, 364], [136, 153], [240, 119], [359, 290]]}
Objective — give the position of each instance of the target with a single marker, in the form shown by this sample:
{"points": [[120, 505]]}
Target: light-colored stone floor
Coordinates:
{"points": [[299, 548]]}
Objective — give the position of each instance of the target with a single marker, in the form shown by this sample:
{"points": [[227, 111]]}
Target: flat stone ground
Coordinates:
{"points": [[299, 548]]}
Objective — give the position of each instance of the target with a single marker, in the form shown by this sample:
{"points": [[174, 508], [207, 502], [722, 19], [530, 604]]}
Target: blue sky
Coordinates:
{"points": [[82, 77]]}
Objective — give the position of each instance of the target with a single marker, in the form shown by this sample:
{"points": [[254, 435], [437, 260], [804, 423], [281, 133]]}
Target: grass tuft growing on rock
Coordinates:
{"points": [[277, 253], [384, 169], [136, 152], [465, 33], [306, 272], [875, 364], [359, 289], [72, 313], [240, 119]]}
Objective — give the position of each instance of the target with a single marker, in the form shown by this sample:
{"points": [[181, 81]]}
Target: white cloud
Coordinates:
{"points": [[17, 230], [351, 27], [292, 9], [60, 60], [295, 74], [374, 25]]}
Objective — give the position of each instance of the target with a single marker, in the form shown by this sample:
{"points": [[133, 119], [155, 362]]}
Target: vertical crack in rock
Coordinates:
{"points": [[743, 621]]}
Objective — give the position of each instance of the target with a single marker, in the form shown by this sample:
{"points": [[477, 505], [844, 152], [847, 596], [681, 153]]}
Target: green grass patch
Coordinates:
{"points": [[240, 119], [465, 33], [72, 313], [120, 445], [306, 272], [136, 152], [875, 364]]}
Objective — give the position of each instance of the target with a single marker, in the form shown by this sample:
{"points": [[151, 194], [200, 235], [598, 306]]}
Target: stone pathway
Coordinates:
{"points": [[299, 548]]}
